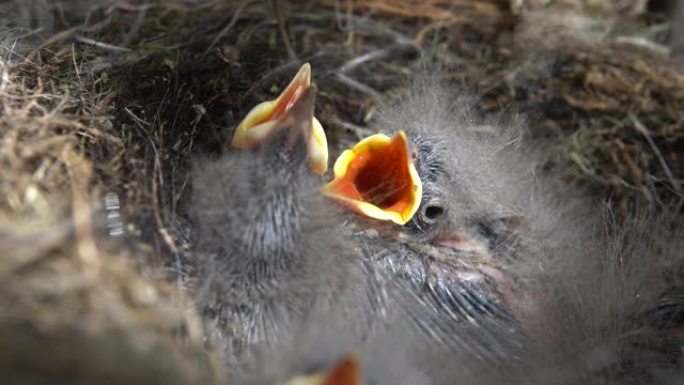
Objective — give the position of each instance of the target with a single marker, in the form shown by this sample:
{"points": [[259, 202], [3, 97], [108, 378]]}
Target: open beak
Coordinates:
{"points": [[346, 372], [263, 119], [377, 178]]}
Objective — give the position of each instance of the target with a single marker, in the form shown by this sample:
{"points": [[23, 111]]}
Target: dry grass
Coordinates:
{"points": [[115, 98], [74, 304]]}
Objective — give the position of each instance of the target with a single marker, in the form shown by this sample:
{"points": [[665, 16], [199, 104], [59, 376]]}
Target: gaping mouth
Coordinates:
{"points": [[345, 372], [377, 178], [263, 119]]}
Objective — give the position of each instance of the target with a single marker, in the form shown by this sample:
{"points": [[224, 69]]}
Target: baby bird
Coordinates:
{"points": [[488, 271], [506, 274], [268, 246], [435, 210]]}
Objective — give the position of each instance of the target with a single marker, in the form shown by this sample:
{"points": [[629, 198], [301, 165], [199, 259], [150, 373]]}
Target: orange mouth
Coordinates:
{"points": [[345, 372], [377, 178], [264, 119]]}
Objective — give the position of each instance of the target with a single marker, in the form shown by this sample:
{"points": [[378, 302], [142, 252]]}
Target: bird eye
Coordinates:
{"points": [[432, 212]]}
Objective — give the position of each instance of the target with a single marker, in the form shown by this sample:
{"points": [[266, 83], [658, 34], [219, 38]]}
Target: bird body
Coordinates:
{"points": [[268, 250]]}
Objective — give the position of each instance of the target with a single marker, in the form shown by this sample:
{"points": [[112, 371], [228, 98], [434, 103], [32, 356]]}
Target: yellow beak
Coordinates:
{"points": [[377, 178], [264, 118], [346, 372]]}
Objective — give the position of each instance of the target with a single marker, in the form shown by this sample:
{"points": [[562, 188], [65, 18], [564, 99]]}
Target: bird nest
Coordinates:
{"points": [[105, 104]]}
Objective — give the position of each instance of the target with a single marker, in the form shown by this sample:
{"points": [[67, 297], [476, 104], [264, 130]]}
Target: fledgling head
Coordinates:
{"points": [[475, 178], [445, 252], [268, 245], [265, 118], [262, 187], [509, 263]]}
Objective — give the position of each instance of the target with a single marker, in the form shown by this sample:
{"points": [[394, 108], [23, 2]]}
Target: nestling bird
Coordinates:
{"points": [[491, 271], [512, 275], [434, 212], [269, 248]]}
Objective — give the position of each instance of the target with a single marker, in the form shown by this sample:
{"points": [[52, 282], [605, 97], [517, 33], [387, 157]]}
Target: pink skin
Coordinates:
{"points": [[512, 294]]}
